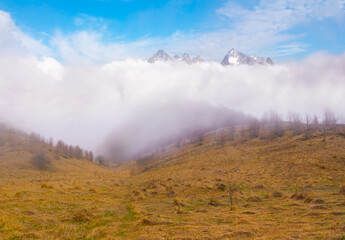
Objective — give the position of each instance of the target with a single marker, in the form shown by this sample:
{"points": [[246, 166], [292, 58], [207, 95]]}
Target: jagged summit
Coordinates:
{"points": [[235, 58], [161, 55]]}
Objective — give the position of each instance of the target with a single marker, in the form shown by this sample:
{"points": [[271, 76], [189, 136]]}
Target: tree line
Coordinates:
{"points": [[34, 143], [272, 125]]}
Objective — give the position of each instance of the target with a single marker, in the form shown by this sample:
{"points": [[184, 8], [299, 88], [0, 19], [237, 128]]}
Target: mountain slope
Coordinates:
{"points": [[21, 153], [281, 188]]}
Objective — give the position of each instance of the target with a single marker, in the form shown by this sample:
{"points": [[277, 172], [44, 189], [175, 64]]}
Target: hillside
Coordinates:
{"points": [[281, 188]]}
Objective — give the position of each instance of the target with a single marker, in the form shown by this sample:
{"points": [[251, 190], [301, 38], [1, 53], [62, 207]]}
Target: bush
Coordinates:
{"points": [[41, 161], [101, 160]]}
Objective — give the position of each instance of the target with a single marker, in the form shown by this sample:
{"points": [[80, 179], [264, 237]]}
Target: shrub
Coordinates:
{"points": [[101, 160], [41, 161]]}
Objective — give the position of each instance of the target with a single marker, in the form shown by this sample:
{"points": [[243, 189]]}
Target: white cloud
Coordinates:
{"points": [[90, 22], [88, 47], [51, 67], [13, 40], [266, 24]]}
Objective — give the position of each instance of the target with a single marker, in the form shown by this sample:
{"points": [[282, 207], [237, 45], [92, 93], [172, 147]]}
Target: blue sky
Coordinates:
{"points": [[106, 30]]}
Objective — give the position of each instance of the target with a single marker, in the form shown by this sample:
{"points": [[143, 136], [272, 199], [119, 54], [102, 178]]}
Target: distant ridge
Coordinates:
{"points": [[232, 58], [162, 56]]}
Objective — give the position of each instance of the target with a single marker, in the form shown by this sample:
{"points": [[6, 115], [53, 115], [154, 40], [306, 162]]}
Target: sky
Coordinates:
{"points": [[101, 31]]}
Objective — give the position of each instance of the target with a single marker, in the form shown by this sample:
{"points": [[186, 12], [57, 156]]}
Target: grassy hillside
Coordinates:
{"points": [[280, 188]]}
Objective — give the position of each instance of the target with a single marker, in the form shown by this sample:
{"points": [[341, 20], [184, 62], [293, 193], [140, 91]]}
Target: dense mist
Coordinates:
{"points": [[86, 104], [162, 123]]}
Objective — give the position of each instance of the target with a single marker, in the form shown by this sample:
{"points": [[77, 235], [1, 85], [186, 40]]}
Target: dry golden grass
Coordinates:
{"points": [[283, 188]]}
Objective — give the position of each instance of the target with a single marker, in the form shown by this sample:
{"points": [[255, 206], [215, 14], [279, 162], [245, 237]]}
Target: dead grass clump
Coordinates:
{"points": [[277, 194], [81, 216], [98, 233], [342, 190], [248, 212], [213, 202], [29, 235], [242, 234], [178, 203], [299, 196], [28, 212], [171, 193], [254, 199], [44, 185], [308, 200], [338, 213], [260, 186], [152, 184], [147, 222], [317, 207], [21, 194], [135, 193], [318, 201], [220, 187], [201, 211]]}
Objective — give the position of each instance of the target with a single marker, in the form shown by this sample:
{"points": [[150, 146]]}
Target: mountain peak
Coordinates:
{"points": [[236, 58], [160, 52], [161, 55], [197, 59], [233, 50]]}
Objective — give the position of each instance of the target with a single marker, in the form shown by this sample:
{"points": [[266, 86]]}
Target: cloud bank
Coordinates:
{"points": [[83, 103]]}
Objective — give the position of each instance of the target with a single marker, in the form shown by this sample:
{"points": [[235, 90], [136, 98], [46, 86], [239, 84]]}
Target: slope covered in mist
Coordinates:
{"points": [[162, 124]]}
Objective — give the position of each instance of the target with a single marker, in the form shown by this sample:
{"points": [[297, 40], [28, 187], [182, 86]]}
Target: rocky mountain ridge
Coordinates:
{"points": [[232, 58]]}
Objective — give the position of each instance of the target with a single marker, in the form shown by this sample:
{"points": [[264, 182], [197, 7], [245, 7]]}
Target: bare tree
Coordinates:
{"points": [[78, 152], [307, 127], [201, 139], [232, 133], [51, 144], [221, 138], [296, 124], [254, 128], [90, 155], [315, 122], [275, 124], [329, 118], [60, 146]]}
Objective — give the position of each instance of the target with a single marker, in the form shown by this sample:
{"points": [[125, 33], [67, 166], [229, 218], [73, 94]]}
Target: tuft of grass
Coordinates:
{"points": [[44, 185]]}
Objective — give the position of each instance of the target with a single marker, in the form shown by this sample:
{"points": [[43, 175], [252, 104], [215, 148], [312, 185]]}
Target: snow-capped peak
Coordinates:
{"points": [[161, 55], [235, 58]]}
